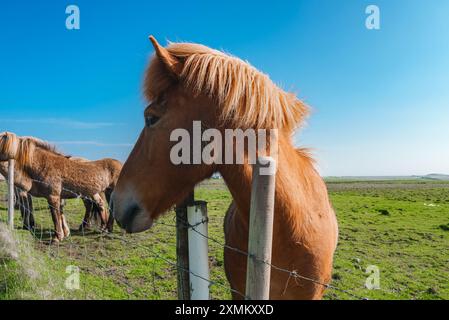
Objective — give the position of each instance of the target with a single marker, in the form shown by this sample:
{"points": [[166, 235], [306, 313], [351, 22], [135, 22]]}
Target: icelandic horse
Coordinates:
{"points": [[26, 188], [188, 82], [23, 200], [52, 175]]}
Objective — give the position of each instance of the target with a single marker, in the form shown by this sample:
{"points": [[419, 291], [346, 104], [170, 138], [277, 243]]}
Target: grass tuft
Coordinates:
{"points": [[23, 269]]}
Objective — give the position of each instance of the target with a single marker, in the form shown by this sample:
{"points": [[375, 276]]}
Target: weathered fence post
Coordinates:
{"points": [[261, 230], [182, 247], [198, 251], [11, 193]]}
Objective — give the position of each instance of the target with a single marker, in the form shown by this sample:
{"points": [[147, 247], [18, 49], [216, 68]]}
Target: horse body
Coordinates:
{"points": [[188, 82], [27, 188], [23, 199], [44, 172], [21, 181], [62, 178], [304, 231]]}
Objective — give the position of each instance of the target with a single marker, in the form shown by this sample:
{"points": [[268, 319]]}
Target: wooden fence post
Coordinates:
{"points": [[198, 251], [182, 247], [260, 240], [11, 194]]}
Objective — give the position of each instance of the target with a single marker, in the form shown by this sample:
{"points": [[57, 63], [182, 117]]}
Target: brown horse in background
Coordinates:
{"points": [[27, 188], [23, 200], [55, 176], [92, 209], [189, 82]]}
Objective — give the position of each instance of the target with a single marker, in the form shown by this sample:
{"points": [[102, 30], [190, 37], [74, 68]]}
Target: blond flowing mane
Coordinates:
{"points": [[42, 144], [22, 148], [247, 97]]}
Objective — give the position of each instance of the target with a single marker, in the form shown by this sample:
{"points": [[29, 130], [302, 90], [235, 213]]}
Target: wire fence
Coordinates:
{"points": [[123, 266], [111, 266]]}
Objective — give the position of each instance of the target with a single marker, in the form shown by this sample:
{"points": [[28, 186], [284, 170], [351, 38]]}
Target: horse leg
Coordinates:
{"points": [[27, 212], [24, 203], [108, 195], [85, 224], [19, 204], [105, 221], [65, 226], [102, 208], [110, 224], [17, 198], [54, 204]]}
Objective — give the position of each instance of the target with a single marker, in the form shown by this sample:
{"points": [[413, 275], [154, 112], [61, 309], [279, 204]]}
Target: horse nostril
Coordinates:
{"points": [[130, 215]]}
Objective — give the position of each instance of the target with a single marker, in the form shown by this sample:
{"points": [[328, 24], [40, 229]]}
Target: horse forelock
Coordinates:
{"points": [[15, 148], [247, 97], [9, 144], [22, 149]]}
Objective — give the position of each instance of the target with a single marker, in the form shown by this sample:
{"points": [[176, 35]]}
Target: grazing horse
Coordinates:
{"points": [[92, 209], [27, 188], [188, 82], [55, 176], [23, 200]]}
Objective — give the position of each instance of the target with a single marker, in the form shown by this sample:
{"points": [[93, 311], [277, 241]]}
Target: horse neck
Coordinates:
{"points": [[4, 168], [21, 179], [39, 163], [293, 182]]}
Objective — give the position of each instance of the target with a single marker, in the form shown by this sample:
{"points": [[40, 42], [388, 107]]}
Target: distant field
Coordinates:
{"points": [[400, 226]]}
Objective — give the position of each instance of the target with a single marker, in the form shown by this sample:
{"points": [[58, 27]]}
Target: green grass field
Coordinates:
{"points": [[401, 227]]}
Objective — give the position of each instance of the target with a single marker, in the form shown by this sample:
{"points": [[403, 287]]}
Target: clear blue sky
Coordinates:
{"points": [[380, 98]]}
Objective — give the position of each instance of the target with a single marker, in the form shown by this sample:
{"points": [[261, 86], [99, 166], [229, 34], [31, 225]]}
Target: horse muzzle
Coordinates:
{"points": [[129, 214]]}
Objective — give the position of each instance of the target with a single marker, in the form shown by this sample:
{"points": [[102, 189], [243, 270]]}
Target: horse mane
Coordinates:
{"points": [[43, 145], [23, 148], [247, 97]]}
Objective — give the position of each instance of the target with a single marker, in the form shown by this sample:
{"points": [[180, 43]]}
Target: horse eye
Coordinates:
{"points": [[151, 120]]}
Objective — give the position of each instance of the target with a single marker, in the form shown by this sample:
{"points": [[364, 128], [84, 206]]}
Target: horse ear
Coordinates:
{"points": [[171, 62]]}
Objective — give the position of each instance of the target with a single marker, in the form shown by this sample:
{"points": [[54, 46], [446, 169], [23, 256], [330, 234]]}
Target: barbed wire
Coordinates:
{"points": [[152, 252], [72, 245], [179, 267], [291, 274]]}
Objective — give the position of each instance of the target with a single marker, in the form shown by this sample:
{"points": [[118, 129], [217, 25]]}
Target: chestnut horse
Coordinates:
{"points": [[26, 188], [189, 82], [54, 176], [92, 209], [23, 200]]}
